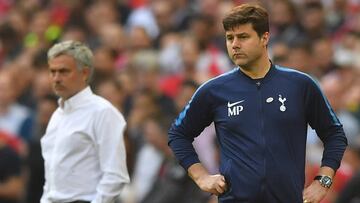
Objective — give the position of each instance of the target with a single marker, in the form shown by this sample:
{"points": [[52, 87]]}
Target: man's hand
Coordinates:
{"points": [[214, 184], [314, 193]]}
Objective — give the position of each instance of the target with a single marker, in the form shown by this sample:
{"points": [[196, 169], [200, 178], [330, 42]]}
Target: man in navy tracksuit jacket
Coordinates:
{"points": [[261, 112]]}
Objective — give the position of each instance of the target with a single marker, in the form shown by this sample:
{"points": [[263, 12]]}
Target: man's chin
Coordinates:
{"points": [[239, 59], [59, 93], [241, 63]]}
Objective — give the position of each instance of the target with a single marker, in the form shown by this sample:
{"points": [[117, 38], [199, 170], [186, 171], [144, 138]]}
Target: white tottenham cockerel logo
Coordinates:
{"points": [[282, 101]]}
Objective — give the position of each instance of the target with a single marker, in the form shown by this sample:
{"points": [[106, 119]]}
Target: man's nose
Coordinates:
{"points": [[56, 77], [236, 44]]}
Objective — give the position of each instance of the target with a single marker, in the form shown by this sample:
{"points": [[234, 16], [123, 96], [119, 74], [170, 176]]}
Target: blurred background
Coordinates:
{"points": [[150, 56]]}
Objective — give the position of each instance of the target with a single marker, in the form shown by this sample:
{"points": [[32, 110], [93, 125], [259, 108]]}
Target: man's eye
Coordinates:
{"points": [[64, 71]]}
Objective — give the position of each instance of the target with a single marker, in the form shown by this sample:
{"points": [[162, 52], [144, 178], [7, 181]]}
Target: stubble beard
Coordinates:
{"points": [[244, 63], [247, 63]]}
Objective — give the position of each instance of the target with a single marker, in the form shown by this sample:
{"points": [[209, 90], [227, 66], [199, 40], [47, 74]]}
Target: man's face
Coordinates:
{"points": [[244, 46], [66, 79]]}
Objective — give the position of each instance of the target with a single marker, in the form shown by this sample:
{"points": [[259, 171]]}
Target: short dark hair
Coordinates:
{"points": [[254, 14]]}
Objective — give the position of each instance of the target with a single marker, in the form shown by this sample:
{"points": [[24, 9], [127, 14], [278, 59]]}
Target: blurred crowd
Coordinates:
{"points": [[150, 56]]}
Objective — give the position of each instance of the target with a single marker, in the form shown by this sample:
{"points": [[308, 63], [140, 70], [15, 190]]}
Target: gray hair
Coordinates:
{"points": [[79, 51]]}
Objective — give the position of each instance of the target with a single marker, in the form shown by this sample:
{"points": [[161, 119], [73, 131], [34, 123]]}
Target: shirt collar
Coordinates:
{"points": [[76, 100]]}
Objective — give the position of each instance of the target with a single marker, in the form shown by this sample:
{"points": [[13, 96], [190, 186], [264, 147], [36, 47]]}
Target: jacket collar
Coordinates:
{"points": [[267, 77]]}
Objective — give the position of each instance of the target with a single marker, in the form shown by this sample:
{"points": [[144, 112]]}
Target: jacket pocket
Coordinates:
{"points": [[226, 173]]}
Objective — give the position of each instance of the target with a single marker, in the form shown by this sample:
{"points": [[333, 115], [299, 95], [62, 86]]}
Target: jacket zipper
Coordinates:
{"points": [[258, 85]]}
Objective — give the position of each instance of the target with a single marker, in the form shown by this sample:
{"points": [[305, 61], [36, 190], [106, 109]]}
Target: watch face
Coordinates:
{"points": [[326, 181]]}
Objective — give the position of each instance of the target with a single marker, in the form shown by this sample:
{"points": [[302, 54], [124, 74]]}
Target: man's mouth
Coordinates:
{"points": [[239, 55], [59, 87]]}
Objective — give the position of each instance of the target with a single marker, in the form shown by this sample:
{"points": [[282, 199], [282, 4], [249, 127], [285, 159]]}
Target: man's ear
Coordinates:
{"points": [[86, 73], [265, 38]]}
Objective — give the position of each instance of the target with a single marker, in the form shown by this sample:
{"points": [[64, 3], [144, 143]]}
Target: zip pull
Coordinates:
{"points": [[258, 83]]}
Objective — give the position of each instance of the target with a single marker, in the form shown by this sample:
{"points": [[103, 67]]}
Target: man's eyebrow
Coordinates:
{"points": [[58, 69], [241, 33], [236, 33]]}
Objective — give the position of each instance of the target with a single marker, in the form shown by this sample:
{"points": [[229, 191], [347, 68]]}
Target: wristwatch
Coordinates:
{"points": [[325, 181]]}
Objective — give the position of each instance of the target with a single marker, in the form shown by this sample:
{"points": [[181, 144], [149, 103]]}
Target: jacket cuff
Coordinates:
{"points": [[188, 161], [331, 163]]}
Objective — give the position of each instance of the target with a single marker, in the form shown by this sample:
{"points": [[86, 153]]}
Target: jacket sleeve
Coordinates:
{"points": [[323, 119], [196, 115]]}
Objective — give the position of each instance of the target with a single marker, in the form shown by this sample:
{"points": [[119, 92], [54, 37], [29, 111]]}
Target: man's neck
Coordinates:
{"points": [[257, 70], [64, 99]]}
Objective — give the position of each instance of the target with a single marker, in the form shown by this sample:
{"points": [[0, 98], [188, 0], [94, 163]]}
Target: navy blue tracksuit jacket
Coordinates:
{"points": [[261, 127]]}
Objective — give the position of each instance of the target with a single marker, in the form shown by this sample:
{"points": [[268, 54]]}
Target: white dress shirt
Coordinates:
{"points": [[84, 151]]}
